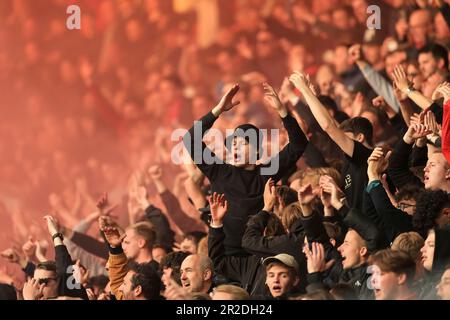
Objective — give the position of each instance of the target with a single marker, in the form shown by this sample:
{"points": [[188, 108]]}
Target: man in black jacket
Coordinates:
{"points": [[350, 259], [55, 279], [243, 181], [249, 271]]}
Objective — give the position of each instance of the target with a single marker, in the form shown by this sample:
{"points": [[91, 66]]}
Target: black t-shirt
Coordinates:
{"points": [[354, 175]]}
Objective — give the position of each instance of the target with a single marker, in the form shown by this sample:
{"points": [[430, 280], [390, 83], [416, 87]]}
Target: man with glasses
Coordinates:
{"points": [[44, 284]]}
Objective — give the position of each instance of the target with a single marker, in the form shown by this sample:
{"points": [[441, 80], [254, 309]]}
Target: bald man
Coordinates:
{"points": [[196, 273], [420, 26]]}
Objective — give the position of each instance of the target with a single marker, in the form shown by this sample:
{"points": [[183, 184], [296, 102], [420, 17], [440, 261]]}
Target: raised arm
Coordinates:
{"points": [[402, 83], [326, 122], [193, 138], [290, 154]]}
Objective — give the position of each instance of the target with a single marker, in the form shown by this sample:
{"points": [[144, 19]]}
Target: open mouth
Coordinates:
{"points": [[276, 289]]}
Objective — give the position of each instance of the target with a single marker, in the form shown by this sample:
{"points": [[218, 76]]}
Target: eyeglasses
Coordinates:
{"points": [[404, 206], [45, 281]]}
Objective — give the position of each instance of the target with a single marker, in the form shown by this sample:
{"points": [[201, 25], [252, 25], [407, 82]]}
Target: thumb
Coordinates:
{"points": [[329, 264]]}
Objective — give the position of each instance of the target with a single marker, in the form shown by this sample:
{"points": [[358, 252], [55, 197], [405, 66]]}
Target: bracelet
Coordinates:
{"points": [[58, 235]]}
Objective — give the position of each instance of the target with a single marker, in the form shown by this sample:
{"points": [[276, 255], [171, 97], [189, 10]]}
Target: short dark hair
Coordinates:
{"points": [[358, 125], [438, 52], [147, 278], [428, 208], [287, 195], [334, 231], [194, 236], [407, 192], [100, 281], [398, 262], [47, 265], [173, 260]]}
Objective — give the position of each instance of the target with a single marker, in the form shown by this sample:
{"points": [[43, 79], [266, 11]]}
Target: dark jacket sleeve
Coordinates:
{"points": [[254, 240], [193, 141], [90, 244], [393, 220], [398, 166], [164, 235], [29, 269], [67, 282], [314, 157], [183, 221], [234, 268], [314, 229], [290, 154]]}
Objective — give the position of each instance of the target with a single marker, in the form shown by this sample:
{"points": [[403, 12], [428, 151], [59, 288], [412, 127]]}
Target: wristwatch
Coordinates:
{"points": [[58, 235], [409, 90]]}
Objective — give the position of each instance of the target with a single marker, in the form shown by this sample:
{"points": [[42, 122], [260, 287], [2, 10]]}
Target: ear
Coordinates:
{"points": [[333, 242], [447, 174], [446, 212], [137, 291], [360, 138], [207, 275], [401, 279], [141, 242], [363, 252], [441, 63]]}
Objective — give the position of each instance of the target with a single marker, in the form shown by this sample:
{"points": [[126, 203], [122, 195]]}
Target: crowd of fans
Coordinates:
{"points": [[359, 205]]}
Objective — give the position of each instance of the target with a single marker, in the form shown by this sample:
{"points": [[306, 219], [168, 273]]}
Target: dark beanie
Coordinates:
{"points": [[246, 131]]}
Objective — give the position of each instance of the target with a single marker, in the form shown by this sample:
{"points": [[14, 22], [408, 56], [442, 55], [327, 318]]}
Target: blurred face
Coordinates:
{"points": [[48, 278], [341, 19], [443, 288], [414, 76], [341, 59], [428, 65], [386, 284], [264, 44], [437, 172], [242, 150], [193, 278], [166, 276], [280, 280], [158, 254], [372, 53], [187, 245], [352, 250], [132, 244], [167, 92], [407, 205], [428, 251], [419, 25], [125, 287]]}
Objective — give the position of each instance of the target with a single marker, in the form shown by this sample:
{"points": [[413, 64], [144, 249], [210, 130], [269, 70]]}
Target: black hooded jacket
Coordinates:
{"points": [[243, 189]]}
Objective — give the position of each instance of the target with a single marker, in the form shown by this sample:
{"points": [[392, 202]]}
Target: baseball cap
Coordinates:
{"points": [[284, 258]]}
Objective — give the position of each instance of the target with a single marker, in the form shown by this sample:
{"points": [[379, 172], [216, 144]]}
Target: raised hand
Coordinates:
{"points": [[218, 206], [415, 131], [112, 235], [329, 187], [377, 163], [316, 258], [10, 255], [32, 290], [52, 225], [400, 78], [300, 80], [443, 90], [306, 194], [271, 97], [227, 103], [270, 195], [29, 249], [355, 53]]}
